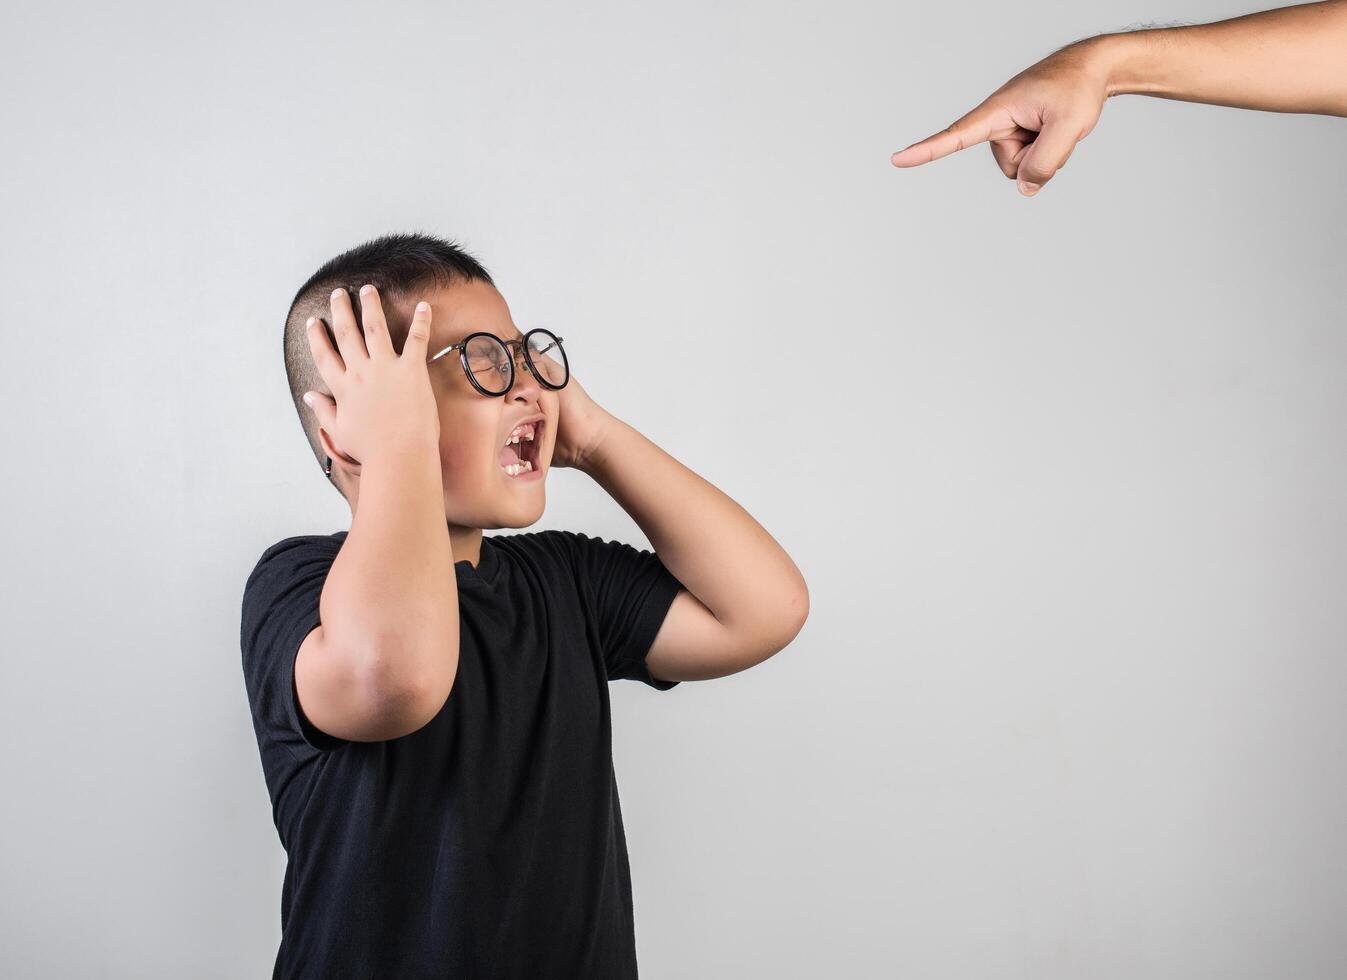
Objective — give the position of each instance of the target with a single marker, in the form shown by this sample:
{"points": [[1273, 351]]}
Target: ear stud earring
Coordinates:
{"points": [[328, 468]]}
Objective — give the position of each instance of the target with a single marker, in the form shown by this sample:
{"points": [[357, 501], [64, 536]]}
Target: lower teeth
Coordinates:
{"points": [[514, 469]]}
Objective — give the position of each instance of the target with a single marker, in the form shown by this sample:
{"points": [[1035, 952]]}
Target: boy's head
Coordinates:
{"points": [[474, 428]]}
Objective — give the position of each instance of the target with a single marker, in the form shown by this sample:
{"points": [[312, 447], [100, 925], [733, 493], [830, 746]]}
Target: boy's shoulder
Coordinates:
{"points": [[586, 556], [550, 543], [318, 542], [554, 542], [298, 548], [542, 538]]}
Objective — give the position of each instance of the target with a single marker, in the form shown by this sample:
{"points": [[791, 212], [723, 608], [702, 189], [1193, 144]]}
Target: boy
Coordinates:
{"points": [[431, 705]]}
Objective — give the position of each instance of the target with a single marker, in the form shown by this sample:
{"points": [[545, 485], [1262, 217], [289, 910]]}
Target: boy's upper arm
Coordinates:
{"points": [[692, 644], [627, 593], [331, 696], [280, 622], [303, 688]]}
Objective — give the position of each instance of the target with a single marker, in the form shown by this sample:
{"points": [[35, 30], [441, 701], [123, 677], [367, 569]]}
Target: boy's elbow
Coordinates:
{"points": [[797, 612], [409, 690], [786, 625]]}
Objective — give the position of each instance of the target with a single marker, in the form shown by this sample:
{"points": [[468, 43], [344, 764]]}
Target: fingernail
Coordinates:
{"points": [[336, 292], [308, 398], [422, 307], [1028, 189], [310, 321], [366, 290]]}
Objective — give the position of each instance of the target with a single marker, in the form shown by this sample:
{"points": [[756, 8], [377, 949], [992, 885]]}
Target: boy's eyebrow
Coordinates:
{"points": [[457, 336]]}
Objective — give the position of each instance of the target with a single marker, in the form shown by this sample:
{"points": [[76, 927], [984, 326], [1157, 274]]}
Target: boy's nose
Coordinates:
{"points": [[523, 374]]}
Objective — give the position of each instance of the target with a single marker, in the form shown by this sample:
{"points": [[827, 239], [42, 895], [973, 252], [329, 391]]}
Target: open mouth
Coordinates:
{"points": [[520, 454]]}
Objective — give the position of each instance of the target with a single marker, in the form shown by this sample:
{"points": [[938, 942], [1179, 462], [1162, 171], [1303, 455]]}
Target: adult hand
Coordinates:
{"points": [[1032, 122], [1292, 59]]}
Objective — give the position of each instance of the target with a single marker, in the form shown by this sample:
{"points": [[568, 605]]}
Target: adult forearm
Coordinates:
{"points": [[391, 599], [1289, 60]]}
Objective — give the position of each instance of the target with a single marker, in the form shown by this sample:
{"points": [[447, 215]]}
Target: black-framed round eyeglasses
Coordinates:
{"points": [[488, 361]]}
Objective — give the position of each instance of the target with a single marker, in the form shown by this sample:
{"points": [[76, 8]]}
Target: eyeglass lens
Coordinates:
{"points": [[489, 360]]}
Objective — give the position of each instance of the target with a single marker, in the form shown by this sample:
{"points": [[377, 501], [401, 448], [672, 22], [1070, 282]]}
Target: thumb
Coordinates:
{"points": [[324, 408], [1046, 155], [1008, 152]]}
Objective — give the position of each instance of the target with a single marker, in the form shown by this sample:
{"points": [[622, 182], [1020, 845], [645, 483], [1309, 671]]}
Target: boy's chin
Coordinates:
{"points": [[513, 509], [516, 523]]}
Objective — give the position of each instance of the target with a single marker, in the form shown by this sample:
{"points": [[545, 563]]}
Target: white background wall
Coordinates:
{"points": [[1065, 475]]}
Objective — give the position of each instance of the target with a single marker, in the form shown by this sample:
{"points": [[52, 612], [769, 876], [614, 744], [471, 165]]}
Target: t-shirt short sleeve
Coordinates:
{"points": [[280, 608], [627, 593]]}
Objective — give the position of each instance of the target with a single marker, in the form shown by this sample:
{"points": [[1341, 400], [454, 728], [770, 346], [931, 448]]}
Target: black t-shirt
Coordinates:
{"points": [[489, 843]]}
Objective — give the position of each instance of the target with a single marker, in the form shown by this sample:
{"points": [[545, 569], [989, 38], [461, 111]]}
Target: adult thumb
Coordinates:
{"points": [[1045, 156]]}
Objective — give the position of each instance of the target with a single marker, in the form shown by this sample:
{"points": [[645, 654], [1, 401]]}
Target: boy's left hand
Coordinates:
{"points": [[581, 426]]}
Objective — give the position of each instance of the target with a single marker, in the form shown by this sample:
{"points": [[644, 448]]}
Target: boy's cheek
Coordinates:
{"points": [[454, 457], [464, 465]]}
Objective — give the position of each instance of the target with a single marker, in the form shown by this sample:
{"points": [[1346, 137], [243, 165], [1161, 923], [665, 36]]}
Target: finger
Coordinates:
{"points": [[324, 408], [1046, 155], [374, 324], [418, 334], [1007, 152], [978, 126], [349, 341], [327, 360]]}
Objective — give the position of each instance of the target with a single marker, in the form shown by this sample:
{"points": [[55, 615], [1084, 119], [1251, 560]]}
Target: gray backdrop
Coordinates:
{"points": [[1065, 475]]}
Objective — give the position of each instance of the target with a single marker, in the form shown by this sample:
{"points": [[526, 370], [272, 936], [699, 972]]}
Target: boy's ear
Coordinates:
{"points": [[339, 458]]}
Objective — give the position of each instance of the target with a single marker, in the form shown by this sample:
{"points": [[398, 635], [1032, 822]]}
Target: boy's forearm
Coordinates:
{"points": [[707, 541], [391, 598], [1293, 59]]}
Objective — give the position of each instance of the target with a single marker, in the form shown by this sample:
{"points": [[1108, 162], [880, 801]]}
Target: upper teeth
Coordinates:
{"points": [[524, 432]]}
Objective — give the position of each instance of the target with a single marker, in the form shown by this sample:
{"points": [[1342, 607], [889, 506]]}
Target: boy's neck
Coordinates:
{"points": [[466, 543]]}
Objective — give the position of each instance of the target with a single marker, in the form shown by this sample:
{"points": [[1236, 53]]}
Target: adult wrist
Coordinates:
{"points": [[1127, 62]]}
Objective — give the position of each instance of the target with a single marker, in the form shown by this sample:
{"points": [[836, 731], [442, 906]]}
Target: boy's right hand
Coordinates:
{"points": [[381, 402]]}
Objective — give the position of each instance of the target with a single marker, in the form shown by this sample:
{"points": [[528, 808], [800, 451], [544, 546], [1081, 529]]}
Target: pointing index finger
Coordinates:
{"points": [[974, 128]]}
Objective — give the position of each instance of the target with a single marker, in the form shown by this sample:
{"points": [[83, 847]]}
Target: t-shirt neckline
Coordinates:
{"points": [[488, 563]]}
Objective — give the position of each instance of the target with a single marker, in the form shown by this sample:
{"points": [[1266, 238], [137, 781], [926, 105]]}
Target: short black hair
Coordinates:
{"points": [[399, 265]]}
